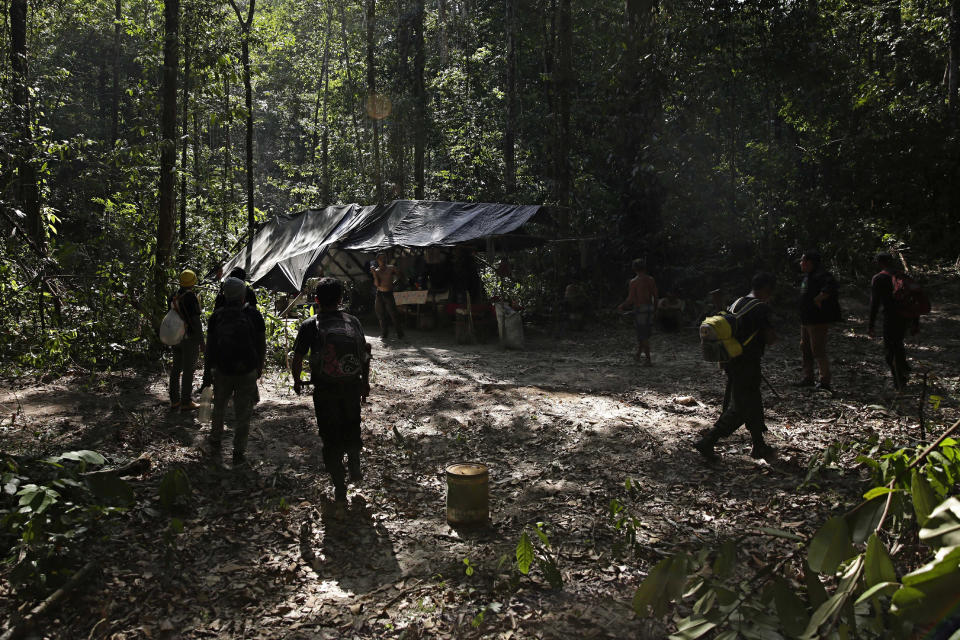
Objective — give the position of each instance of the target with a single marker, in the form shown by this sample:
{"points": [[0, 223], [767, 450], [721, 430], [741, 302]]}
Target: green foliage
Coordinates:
{"points": [[868, 598], [49, 508], [542, 554], [174, 488]]}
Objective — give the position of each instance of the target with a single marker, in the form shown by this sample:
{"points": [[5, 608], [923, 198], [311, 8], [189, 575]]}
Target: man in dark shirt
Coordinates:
{"points": [[186, 353], [236, 350], [894, 325], [340, 382], [745, 406], [819, 306]]}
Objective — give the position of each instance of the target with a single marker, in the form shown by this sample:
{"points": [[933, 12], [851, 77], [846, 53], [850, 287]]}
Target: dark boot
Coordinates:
{"points": [[762, 450], [704, 447]]}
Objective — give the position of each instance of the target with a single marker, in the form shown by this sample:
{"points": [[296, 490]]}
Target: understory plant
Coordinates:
{"points": [[48, 509], [841, 582]]}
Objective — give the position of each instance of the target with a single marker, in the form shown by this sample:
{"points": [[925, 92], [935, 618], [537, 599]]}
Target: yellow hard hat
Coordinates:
{"points": [[187, 278]]}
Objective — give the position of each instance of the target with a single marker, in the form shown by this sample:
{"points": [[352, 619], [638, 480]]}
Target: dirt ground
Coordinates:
{"points": [[562, 426]]}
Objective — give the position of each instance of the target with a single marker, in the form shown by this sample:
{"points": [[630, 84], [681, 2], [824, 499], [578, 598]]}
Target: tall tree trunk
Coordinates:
{"points": [[442, 22], [953, 72], [168, 149], [372, 97], [325, 143], [399, 119], [420, 96], [351, 91], [245, 27], [184, 123], [27, 190], [564, 88], [509, 128], [115, 97], [227, 151]]}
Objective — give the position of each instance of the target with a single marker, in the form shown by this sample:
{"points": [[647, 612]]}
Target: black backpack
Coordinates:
{"points": [[337, 354], [235, 348]]}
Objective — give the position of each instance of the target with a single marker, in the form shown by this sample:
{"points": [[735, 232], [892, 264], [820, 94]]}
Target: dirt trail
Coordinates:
{"points": [[562, 426]]}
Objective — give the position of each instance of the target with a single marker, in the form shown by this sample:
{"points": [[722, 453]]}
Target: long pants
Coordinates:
{"points": [[386, 309], [337, 406], [813, 346], [743, 404], [243, 389], [894, 330], [185, 357]]}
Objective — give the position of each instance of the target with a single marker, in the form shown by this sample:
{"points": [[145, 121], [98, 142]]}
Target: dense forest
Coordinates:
{"points": [[712, 137], [143, 136]]}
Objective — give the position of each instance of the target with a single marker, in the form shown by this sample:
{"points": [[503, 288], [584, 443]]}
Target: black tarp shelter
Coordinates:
{"points": [[287, 250]]}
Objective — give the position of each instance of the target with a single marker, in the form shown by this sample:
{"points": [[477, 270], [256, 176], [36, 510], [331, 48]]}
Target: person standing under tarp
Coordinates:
{"points": [[186, 353], [819, 307], [642, 298], [385, 306], [894, 324]]}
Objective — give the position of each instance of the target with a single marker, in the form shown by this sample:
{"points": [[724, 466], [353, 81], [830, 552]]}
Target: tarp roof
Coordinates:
{"points": [[281, 254]]}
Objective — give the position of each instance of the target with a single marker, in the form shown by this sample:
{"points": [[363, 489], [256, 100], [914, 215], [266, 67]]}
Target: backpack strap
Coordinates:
{"points": [[753, 303]]}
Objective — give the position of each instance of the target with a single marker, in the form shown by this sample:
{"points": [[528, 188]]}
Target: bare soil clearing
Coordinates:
{"points": [[562, 426]]}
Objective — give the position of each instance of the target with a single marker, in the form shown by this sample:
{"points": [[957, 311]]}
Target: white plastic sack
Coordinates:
{"points": [[172, 328]]}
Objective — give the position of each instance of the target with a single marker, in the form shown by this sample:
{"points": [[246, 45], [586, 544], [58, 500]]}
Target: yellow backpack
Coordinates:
{"points": [[718, 341]]}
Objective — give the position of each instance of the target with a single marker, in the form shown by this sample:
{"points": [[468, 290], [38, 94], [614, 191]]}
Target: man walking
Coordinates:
{"points": [[339, 370], [894, 324], [385, 306], [754, 331], [237, 346], [819, 306], [186, 353]]}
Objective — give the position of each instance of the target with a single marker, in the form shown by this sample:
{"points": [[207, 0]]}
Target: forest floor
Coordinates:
{"points": [[562, 426]]}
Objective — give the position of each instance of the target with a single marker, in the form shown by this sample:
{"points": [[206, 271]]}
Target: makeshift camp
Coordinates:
{"points": [[339, 239]]}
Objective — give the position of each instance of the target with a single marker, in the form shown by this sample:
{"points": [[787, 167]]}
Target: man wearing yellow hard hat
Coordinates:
{"points": [[187, 351]]}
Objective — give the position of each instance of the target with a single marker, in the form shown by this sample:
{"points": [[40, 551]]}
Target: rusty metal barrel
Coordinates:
{"points": [[468, 494]]}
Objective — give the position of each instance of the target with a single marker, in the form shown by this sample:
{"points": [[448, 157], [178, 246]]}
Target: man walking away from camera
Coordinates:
{"points": [[340, 373], [754, 331], [237, 347]]}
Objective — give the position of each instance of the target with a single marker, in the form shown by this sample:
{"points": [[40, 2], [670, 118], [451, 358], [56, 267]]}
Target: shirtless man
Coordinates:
{"points": [[642, 297], [385, 306]]}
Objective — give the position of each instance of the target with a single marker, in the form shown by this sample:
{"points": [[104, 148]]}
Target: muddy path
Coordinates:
{"points": [[562, 426]]}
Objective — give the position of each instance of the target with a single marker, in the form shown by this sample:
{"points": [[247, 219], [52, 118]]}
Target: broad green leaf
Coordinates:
{"points": [[924, 498], [551, 572], [877, 590], [790, 608], [692, 628], [663, 585], [524, 554], [877, 491], [90, 457], [866, 518], [930, 592], [815, 591], [834, 603], [830, 546], [725, 560], [943, 526], [877, 564]]}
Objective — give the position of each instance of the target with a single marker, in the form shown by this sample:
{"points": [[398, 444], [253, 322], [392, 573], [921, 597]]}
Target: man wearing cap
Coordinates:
{"points": [[185, 353], [249, 297], [236, 349]]}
